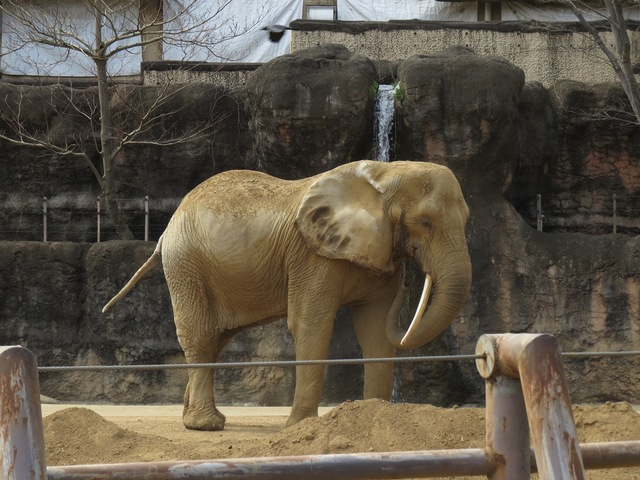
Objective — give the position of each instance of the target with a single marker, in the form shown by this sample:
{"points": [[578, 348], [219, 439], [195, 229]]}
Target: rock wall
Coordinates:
{"points": [[505, 139]]}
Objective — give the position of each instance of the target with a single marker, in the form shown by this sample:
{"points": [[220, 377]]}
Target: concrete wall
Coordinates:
{"points": [[546, 53]]}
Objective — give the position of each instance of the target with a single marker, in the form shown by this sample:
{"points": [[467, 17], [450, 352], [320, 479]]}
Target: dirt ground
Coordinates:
{"points": [[80, 435]]}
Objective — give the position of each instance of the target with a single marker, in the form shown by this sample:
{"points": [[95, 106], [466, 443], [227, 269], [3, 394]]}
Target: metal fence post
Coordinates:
{"points": [[98, 213], [535, 359], [615, 213], [44, 218], [539, 216], [22, 453], [507, 430], [146, 218]]}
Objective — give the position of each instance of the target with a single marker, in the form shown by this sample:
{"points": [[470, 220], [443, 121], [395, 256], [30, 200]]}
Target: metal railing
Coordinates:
{"points": [[543, 215], [608, 216], [99, 213], [527, 402]]}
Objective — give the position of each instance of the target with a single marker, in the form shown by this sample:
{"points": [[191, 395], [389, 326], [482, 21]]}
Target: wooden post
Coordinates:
{"points": [[22, 453], [151, 18]]}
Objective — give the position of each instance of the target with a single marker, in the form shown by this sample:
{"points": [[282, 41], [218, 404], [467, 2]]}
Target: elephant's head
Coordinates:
{"points": [[375, 214]]}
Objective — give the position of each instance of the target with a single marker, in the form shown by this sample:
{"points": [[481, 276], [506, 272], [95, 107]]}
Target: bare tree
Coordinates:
{"points": [[115, 116], [620, 56]]}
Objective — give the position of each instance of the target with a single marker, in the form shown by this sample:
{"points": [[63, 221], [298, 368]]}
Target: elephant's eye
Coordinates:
{"points": [[426, 223]]}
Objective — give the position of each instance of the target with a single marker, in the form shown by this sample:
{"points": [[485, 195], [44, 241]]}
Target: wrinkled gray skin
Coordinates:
{"points": [[244, 248]]}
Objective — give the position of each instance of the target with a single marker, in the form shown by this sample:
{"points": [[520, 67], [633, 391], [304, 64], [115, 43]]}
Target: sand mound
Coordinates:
{"points": [[379, 426], [607, 423], [79, 435]]}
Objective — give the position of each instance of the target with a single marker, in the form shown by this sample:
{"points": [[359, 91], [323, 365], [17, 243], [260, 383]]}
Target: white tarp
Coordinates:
{"points": [[24, 53], [554, 13], [384, 10], [237, 34], [233, 35]]}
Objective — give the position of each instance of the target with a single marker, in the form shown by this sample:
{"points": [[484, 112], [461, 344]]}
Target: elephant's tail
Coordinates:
{"points": [[148, 265]]}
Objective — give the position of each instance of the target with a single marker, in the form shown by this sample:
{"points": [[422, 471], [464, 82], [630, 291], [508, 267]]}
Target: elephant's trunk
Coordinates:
{"points": [[451, 292]]}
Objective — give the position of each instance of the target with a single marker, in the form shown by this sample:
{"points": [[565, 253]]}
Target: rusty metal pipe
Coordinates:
{"points": [[535, 359], [424, 464], [22, 439], [507, 431], [611, 455], [475, 462], [21, 433]]}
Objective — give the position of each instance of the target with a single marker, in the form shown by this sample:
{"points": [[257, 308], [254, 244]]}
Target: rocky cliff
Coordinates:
{"points": [[506, 140]]}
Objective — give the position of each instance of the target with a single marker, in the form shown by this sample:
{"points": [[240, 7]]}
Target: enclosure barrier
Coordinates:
{"points": [[142, 205], [541, 218], [21, 433], [46, 211], [526, 403]]}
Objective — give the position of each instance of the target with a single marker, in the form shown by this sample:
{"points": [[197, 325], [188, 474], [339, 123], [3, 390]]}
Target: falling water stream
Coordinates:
{"points": [[384, 120], [384, 112], [383, 123]]}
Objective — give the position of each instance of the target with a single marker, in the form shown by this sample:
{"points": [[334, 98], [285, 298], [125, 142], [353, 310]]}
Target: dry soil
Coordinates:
{"points": [[80, 435]]}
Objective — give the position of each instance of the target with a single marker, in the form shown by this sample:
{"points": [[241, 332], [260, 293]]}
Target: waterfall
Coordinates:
{"points": [[384, 120]]}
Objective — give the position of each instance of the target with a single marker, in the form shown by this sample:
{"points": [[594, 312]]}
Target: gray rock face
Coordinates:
{"points": [[310, 111], [461, 110], [506, 141]]}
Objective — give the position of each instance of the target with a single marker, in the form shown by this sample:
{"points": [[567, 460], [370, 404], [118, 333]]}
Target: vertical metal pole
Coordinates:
{"points": [[535, 359], [539, 212], [44, 218], [615, 213], [146, 218], [98, 212], [22, 453], [507, 430]]}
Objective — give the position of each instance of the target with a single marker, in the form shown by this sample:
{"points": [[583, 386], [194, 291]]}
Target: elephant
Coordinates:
{"points": [[245, 248]]}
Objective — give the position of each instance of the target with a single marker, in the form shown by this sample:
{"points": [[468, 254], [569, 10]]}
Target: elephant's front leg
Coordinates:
{"points": [[369, 322], [311, 326]]}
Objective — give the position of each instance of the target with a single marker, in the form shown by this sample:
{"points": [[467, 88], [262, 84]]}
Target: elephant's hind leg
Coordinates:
{"points": [[201, 344], [200, 412]]}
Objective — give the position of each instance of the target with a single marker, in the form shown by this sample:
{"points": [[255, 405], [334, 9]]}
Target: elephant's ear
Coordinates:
{"points": [[342, 216]]}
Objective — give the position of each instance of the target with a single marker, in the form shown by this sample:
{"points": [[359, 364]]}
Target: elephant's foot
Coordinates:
{"points": [[203, 418], [300, 413]]}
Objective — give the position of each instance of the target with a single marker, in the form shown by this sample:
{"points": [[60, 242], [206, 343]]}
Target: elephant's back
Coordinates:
{"points": [[234, 202], [244, 190]]}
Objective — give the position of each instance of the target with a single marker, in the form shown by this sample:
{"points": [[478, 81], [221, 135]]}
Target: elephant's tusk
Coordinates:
{"points": [[424, 299]]}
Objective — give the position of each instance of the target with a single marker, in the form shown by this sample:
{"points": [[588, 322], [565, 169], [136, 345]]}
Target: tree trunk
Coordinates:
{"points": [[108, 140]]}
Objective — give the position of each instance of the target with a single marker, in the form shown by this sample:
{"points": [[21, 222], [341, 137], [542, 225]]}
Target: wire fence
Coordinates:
{"points": [[290, 363], [64, 219], [610, 209], [81, 219]]}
